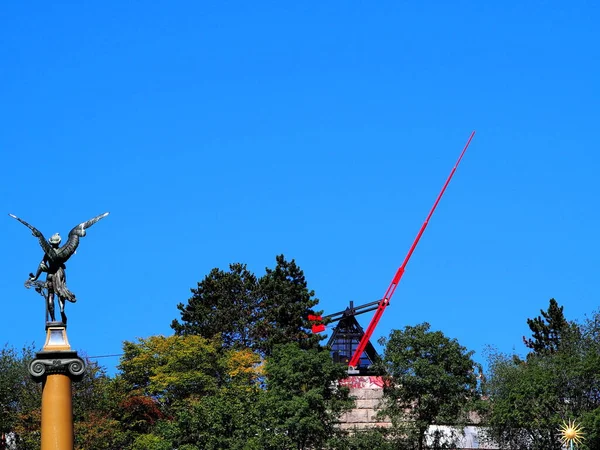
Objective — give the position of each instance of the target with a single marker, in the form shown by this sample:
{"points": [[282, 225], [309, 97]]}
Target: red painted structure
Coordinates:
{"points": [[385, 301], [317, 321]]}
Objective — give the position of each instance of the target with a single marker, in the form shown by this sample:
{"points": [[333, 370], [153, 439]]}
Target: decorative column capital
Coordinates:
{"points": [[56, 363]]}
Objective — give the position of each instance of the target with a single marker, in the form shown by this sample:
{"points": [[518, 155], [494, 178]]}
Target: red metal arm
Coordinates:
{"points": [[384, 302]]}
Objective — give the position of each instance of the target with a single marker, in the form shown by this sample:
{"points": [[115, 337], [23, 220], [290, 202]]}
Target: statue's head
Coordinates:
{"points": [[55, 239]]}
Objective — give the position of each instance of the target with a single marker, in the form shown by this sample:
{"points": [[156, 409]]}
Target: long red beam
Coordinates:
{"points": [[384, 302]]}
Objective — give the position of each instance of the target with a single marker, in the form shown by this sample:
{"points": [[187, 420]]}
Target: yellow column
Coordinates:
{"points": [[56, 366], [57, 413]]}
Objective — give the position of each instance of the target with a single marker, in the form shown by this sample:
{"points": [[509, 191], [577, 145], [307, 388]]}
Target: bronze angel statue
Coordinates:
{"points": [[53, 263]]}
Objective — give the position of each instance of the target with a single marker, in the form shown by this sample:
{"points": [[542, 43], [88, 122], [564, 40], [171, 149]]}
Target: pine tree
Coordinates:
{"points": [[285, 304], [246, 312], [223, 305], [547, 330]]}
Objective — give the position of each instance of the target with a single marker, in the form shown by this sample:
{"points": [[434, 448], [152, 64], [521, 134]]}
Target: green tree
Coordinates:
{"points": [[228, 418], [150, 442], [548, 329], [187, 391], [19, 398], [246, 312], [171, 368], [591, 428], [225, 304], [96, 412], [375, 438], [303, 402], [11, 376], [525, 400], [285, 304], [530, 399], [95, 428], [430, 380]]}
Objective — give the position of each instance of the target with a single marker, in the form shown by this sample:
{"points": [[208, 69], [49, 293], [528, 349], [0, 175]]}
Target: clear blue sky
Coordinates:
{"points": [[219, 132]]}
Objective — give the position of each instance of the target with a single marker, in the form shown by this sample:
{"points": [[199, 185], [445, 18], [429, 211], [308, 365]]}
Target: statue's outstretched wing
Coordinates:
{"points": [[79, 231], [84, 225], [48, 250]]}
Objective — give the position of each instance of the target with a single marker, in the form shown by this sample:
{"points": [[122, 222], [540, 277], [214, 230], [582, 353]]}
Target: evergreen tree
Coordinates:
{"points": [[548, 330], [246, 312], [225, 304], [285, 304]]}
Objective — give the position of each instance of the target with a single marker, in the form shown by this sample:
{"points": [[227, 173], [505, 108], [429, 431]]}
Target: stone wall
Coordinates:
{"points": [[367, 392]]}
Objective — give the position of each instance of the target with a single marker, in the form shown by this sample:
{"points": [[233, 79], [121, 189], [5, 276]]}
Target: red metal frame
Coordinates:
{"points": [[385, 301]]}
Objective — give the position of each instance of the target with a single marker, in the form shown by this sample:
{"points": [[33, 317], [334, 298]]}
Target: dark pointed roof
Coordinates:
{"points": [[344, 341]]}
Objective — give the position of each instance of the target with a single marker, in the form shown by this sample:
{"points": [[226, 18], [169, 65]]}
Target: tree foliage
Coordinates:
{"points": [[96, 412], [171, 368], [303, 401], [11, 370], [558, 381], [187, 391], [548, 329], [244, 311], [369, 439], [430, 380], [225, 304], [96, 428], [20, 411], [285, 304], [228, 419], [524, 397]]}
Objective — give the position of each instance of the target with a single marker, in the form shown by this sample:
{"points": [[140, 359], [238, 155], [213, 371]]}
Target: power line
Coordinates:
{"points": [[106, 356]]}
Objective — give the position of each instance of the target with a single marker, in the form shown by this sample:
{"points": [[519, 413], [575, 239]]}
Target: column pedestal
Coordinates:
{"points": [[56, 366]]}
